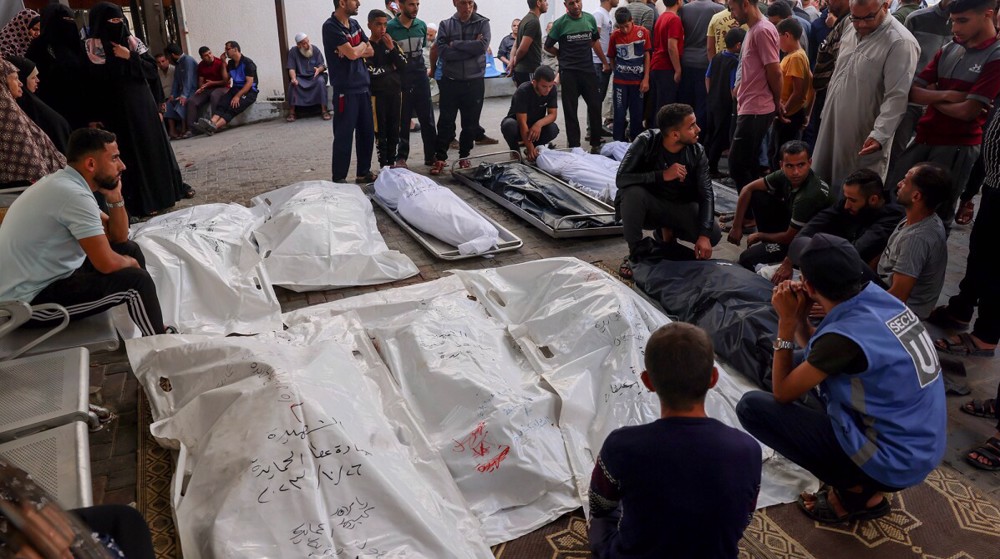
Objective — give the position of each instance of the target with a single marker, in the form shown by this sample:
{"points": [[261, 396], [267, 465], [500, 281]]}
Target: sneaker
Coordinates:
{"points": [[486, 141], [366, 179], [206, 126], [595, 149]]}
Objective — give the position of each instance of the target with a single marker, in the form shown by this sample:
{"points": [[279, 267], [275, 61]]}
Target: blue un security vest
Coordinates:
{"points": [[890, 419]]}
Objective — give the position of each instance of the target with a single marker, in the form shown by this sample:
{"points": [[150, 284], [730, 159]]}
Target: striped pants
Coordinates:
{"points": [[88, 292]]}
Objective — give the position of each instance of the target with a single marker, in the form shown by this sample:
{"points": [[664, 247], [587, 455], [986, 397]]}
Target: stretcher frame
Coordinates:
{"points": [[553, 232], [571, 185], [440, 249]]}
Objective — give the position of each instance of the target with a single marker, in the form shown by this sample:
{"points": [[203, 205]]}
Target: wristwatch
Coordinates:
{"points": [[118, 204], [783, 344]]}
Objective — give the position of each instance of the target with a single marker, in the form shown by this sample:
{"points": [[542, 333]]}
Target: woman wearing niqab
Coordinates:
{"points": [[119, 67], [58, 54]]}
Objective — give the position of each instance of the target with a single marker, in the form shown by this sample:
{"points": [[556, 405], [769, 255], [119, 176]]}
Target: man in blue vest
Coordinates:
{"points": [[883, 427]]}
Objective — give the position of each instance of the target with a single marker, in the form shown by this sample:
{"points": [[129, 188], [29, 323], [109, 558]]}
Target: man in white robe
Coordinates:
{"points": [[867, 94]]}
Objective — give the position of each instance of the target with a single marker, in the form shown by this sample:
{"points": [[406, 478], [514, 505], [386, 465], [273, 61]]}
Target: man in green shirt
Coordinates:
{"points": [[783, 202], [577, 35]]}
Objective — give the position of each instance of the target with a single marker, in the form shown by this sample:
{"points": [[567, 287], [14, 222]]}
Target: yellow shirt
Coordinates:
{"points": [[719, 25], [796, 65]]}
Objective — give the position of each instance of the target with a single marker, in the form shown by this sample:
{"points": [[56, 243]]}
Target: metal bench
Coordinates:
{"points": [[96, 333], [58, 460], [43, 392]]}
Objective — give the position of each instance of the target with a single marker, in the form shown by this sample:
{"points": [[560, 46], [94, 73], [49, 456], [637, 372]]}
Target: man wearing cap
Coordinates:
{"points": [[307, 71], [884, 424]]}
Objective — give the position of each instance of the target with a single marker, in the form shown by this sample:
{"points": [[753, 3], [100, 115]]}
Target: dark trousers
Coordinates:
{"points": [[386, 109], [640, 209], [459, 96], [692, 91], [772, 217], [976, 178], [603, 532], [603, 80], [812, 131], [416, 101], [512, 133], [720, 123], [978, 287], [664, 90], [123, 524], [744, 153], [805, 436], [198, 100], [520, 77], [88, 292], [627, 102], [352, 119], [576, 84], [785, 132], [225, 110]]}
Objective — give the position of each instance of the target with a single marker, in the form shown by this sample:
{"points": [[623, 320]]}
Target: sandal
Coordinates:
{"points": [[437, 167], [464, 163], [727, 217], [990, 451], [625, 270], [941, 317], [326, 115], [290, 118], [366, 179], [966, 211], [965, 346], [824, 513], [981, 408]]}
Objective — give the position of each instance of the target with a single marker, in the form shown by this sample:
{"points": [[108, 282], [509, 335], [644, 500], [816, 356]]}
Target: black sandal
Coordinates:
{"points": [[824, 513], [990, 450], [625, 270], [981, 408]]}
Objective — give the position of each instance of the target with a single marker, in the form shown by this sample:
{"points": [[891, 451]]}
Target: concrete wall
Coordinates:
{"points": [[253, 24]]}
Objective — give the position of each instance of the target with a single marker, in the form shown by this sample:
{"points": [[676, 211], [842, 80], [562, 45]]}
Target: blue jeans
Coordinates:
{"points": [[627, 100], [352, 119]]}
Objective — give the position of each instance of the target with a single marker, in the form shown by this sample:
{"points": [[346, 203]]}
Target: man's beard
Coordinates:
{"points": [[108, 182], [307, 53]]}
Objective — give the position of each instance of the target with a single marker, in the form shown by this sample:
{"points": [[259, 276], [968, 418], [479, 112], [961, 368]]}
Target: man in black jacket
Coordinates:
{"points": [[663, 184]]}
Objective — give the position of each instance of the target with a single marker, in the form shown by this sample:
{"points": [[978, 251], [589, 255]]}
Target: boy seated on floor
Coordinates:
{"points": [[684, 485]]}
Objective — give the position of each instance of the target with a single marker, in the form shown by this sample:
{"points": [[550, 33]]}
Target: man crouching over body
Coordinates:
{"points": [[883, 428], [55, 249]]}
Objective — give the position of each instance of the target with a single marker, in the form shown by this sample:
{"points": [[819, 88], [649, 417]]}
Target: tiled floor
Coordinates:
{"points": [[236, 165]]}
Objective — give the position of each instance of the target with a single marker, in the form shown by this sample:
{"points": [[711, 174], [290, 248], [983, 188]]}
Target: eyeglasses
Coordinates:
{"points": [[870, 17]]}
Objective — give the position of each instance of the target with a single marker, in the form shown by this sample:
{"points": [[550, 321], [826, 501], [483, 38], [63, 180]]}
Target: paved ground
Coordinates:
{"points": [[236, 165]]}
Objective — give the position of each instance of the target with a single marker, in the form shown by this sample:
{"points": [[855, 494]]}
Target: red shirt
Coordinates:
{"points": [[959, 68], [668, 26], [211, 71], [627, 53]]}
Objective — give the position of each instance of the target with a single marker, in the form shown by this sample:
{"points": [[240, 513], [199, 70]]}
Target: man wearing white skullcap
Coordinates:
{"points": [[307, 71]]}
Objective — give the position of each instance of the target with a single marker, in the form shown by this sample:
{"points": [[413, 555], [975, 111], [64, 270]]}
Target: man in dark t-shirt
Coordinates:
{"points": [[533, 111], [346, 46], [527, 55], [661, 489], [783, 202]]}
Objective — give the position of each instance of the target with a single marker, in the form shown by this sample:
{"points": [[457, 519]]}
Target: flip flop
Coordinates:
{"points": [[966, 211], [990, 451], [965, 346], [981, 408], [824, 513], [625, 270]]}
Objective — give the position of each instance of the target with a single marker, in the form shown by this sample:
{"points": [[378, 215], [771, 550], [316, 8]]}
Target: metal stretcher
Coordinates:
{"points": [[725, 198], [440, 249], [510, 158]]}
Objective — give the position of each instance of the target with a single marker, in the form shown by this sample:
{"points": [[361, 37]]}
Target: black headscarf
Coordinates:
{"points": [[52, 123], [107, 32], [57, 31]]}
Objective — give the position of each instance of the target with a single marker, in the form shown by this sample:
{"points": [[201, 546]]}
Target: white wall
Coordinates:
{"points": [[253, 24]]}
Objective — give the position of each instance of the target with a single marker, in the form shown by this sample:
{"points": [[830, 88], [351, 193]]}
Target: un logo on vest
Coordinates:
{"points": [[917, 342]]}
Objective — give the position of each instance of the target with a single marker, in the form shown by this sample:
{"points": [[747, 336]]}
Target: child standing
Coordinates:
{"points": [[664, 489], [628, 51], [720, 80], [386, 87], [797, 92]]}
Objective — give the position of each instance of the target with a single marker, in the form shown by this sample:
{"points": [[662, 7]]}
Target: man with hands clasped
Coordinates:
{"points": [[883, 423]]}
